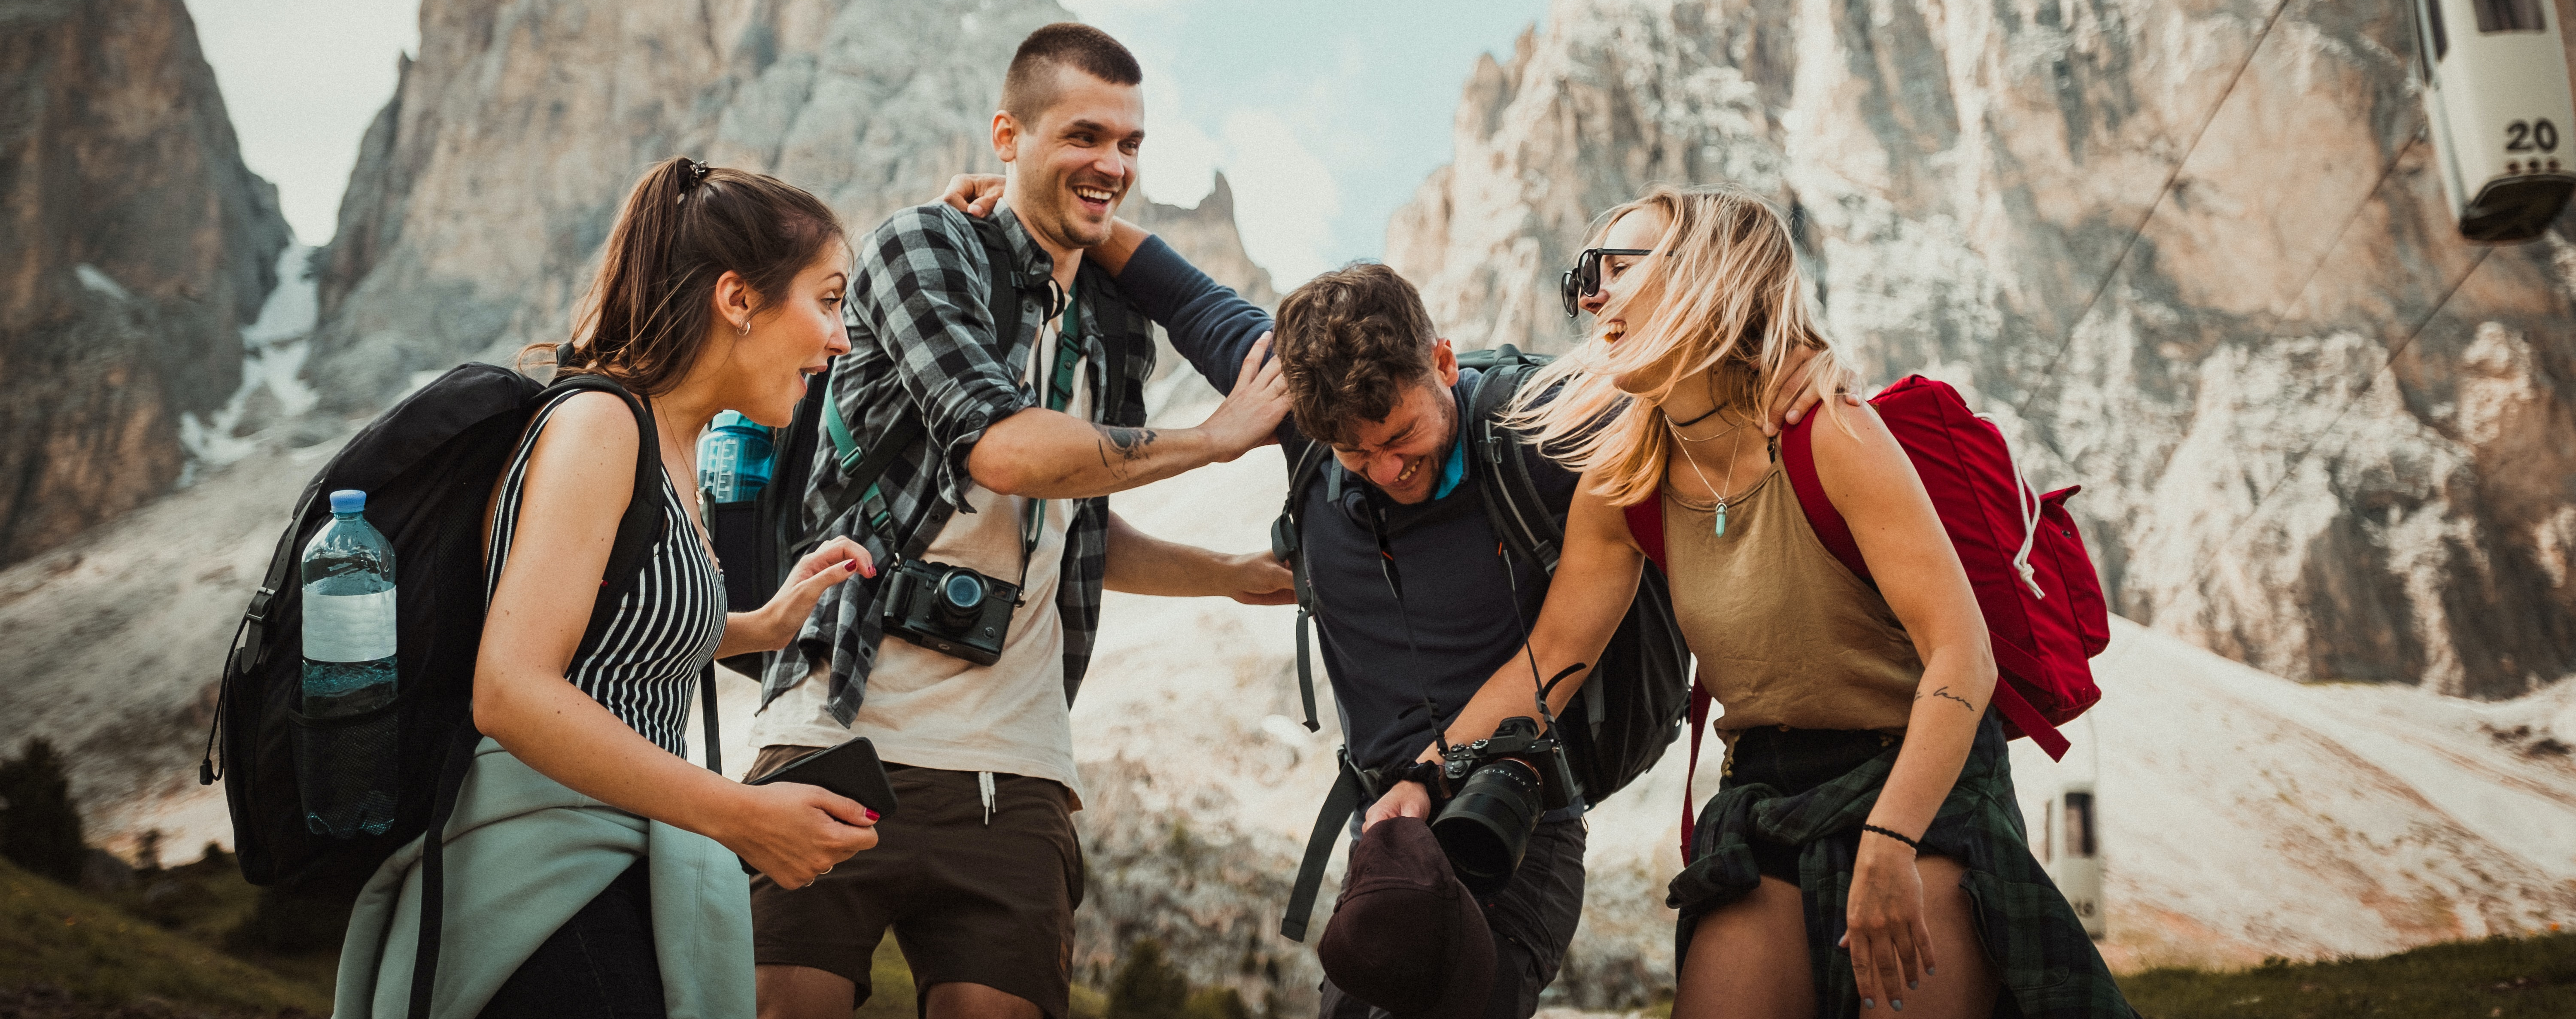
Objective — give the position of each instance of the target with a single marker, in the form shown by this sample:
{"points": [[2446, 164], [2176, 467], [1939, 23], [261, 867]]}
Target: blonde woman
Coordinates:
{"points": [[1863, 854]]}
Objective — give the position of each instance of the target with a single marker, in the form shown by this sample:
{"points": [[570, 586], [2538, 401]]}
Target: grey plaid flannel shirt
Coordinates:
{"points": [[922, 341]]}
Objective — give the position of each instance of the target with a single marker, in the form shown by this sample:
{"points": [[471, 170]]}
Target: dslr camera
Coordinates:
{"points": [[1503, 784], [949, 609]]}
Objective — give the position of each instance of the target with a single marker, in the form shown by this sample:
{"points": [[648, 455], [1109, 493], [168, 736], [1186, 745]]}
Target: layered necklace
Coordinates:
{"points": [[1731, 449]]}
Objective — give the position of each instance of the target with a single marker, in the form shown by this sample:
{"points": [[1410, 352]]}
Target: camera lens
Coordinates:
{"points": [[961, 590], [961, 594], [1486, 828]]}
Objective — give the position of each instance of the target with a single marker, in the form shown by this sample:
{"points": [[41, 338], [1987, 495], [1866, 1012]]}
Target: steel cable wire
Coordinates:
{"points": [[2049, 372]]}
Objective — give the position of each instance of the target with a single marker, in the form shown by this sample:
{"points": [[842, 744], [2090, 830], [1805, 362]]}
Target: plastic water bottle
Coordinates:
{"points": [[345, 763], [733, 459]]}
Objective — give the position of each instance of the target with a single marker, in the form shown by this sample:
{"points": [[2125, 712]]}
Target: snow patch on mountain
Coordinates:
{"points": [[272, 387]]}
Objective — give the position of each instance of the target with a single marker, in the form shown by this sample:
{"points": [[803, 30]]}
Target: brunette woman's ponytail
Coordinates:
{"points": [[684, 225]]}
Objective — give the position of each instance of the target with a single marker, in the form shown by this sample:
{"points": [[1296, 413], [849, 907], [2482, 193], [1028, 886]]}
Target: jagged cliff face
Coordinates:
{"points": [[2301, 446], [483, 191], [136, 247]]}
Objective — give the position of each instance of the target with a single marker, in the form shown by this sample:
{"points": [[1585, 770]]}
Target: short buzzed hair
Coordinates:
{"points": [[1029, 87], [1350, 342]]}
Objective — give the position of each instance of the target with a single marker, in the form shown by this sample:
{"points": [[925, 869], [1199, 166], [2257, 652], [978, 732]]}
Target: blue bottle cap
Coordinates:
{"points": [[733, 420], [348, 500]]}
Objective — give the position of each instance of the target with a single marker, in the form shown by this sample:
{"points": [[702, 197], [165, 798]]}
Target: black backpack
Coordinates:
{"points": [[427, 466], [1620, 720]]}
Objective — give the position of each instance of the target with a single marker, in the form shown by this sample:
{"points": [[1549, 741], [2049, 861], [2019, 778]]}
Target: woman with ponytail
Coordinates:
{"points": [[1863, 854], [592, 869]]}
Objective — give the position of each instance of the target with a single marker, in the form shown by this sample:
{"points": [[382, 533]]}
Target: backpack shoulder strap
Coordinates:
{"points": [[642, 526], [1519, 514], [1339, 805], [1287, 544], [1646, 525], [1798, 460], [1002, 299]]}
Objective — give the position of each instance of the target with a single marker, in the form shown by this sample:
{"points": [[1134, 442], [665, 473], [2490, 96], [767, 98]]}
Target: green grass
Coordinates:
{"points": [[2532, 978], [890, 984], [2497, 977], [54, 935]]}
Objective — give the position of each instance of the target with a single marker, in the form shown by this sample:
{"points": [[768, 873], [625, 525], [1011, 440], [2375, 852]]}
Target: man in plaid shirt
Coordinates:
{"points": [[1025, 428]]}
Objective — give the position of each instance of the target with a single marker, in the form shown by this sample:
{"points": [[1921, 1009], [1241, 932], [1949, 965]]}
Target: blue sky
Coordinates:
{"points": [[1324, 115]]}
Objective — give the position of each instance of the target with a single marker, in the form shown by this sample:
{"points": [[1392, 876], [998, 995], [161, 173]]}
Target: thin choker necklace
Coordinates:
{"points": [[1668, 419], [1677, 426]]}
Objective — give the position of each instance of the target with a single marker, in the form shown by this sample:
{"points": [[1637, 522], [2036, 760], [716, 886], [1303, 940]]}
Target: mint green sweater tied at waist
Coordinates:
{"points": [[523, 854]]}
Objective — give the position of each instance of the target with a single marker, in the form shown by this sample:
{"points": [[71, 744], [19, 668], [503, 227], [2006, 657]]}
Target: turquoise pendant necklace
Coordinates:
{"points": [[1731, 450]]}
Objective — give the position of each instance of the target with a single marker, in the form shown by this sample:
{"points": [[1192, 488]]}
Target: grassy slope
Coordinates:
{"points": [[50, 934], [2497, 977]]}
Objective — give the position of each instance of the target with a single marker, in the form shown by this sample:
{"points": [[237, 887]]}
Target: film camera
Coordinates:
{"points": [[1503, 784], [949, 609]]}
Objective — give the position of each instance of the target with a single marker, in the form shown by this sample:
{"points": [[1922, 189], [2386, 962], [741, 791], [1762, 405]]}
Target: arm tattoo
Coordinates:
{"points": [[1945, 694], [1128, 443]]}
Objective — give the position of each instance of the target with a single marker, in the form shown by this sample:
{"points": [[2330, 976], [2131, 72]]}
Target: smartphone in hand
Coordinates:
{"points": [[850, 769]]}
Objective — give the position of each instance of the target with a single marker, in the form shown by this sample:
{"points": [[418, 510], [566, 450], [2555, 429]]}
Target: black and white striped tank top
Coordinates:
{"points": [[644, 666]]}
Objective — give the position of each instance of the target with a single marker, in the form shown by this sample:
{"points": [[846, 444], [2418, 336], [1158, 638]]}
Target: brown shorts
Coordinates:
{"points": [[970, 901]]}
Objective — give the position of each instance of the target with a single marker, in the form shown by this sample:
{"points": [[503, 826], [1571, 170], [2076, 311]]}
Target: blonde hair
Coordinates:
{"points": [[1730, 303]]}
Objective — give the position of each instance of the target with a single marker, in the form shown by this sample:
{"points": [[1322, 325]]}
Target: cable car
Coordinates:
{"points": [[2072, 855], [2494, 76]]}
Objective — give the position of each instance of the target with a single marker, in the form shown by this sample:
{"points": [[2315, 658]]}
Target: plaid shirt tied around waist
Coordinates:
{"points": [[923, 343], [2049, 968]]}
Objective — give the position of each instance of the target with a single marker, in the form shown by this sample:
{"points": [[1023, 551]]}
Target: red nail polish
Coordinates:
{"points": [[851, 565], [872, 815]]}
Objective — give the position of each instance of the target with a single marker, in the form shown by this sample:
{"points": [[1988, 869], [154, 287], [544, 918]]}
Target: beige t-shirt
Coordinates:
{"points": [[931, 710]]}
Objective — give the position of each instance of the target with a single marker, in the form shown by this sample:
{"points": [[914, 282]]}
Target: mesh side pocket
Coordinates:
{"points": [[346, 769]]}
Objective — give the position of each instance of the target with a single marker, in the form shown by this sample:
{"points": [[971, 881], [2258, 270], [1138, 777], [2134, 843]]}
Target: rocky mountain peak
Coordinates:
{"points": [[137, 247]]}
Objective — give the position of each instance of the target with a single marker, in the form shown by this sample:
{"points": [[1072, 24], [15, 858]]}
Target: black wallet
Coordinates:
{"points": [[850, 769]]}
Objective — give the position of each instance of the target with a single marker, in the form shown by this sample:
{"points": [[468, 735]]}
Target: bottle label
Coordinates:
{"points": [[348, 627]]}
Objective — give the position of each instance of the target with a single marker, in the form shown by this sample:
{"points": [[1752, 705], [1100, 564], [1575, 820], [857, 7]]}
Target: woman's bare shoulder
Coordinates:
{"points": [[591, 436], [1857, 457]]}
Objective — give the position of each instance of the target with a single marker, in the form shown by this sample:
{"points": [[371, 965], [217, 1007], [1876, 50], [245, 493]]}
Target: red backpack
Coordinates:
{"points": [[2042, 601]]}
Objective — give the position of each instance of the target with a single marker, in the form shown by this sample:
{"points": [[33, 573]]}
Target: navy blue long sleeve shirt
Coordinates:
{"points": [[1458, 593]]}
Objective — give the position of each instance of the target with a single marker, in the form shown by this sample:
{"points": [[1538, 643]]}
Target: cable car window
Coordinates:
{"points": [[2079, 825], [2433, 19], [2508, 15]]}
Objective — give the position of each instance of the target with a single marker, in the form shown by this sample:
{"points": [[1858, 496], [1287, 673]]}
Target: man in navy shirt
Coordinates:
{"points": [[1369, 377]]}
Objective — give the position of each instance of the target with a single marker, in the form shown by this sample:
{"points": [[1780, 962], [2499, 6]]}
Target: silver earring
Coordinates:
{"points": [[742, 329]]}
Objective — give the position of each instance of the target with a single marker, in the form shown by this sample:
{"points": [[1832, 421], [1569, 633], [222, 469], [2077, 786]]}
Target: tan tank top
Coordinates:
{"points": [[1785, 634]]}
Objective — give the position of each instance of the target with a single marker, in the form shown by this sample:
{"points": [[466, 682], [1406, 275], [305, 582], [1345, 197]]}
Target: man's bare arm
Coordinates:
{"points": [[1139, 563], [1048, 454]]}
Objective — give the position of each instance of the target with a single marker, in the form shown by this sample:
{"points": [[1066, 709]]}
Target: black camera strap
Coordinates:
{"points": [[1376, 514], [1352, 784]]}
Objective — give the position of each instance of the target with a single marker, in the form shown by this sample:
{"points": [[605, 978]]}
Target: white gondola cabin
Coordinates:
{"points": [[2072, 854], [2495, 87]]}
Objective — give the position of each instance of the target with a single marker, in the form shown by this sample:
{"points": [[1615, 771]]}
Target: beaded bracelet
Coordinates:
{"points": [[1909, 843]]}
